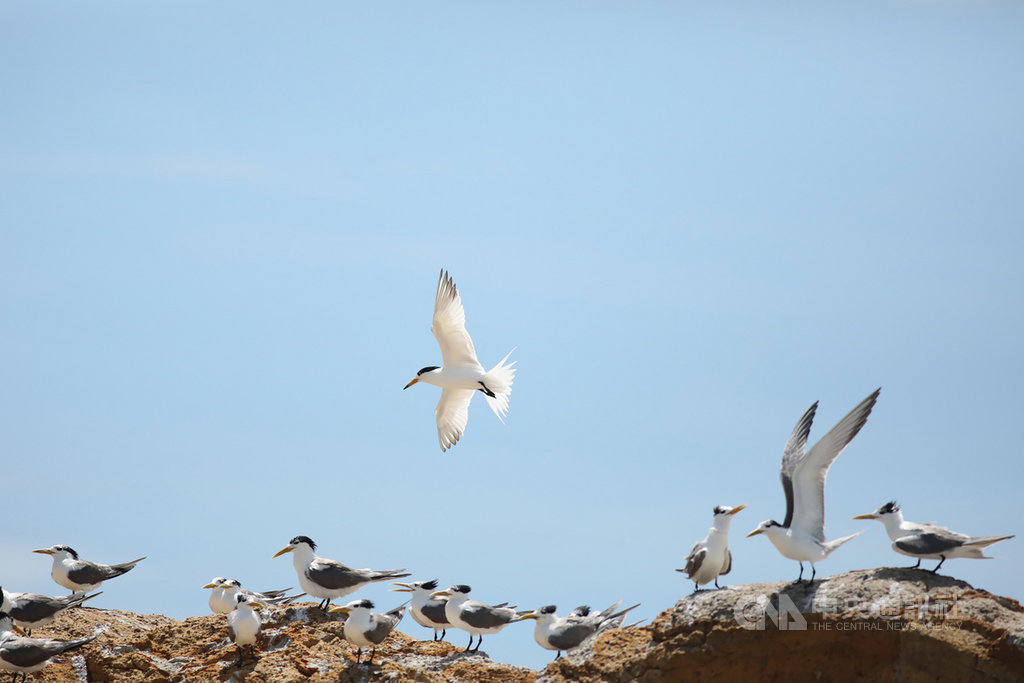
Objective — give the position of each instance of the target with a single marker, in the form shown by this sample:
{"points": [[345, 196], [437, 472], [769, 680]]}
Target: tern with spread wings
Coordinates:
{"points": [[461, 376]]}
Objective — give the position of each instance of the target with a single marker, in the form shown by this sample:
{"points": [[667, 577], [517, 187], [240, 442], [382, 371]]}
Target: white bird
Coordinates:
{"points": [[82, 576], [31, 610], [329, 579], [244, 625], [801, 536], [427, 609], [365, 628], [461, 375], [27, 655], [476, 618], [928, 541], [710, 558], [553, 632], [222, 597]]}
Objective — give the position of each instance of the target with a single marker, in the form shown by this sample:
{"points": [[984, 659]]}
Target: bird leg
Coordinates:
{"points": [[487, 391], [814, 570], [916, 566], [716, 583], [470, 643], [936, 570], [558, 655], [479, 640], [372, 653], [801, 577]]}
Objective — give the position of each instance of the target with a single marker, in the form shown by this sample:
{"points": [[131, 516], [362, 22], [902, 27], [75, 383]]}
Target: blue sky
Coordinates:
{"points": [[222, 228]]}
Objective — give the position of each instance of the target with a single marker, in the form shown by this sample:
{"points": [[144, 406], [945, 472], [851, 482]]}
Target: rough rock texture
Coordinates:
{"points": [[875, 625], [878, 625]]}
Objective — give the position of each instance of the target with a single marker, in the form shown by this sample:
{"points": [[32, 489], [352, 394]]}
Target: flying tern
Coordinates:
{"points": [[222, 597], [710, 558], [476, 618], [244, 625], [928, 541], [366, 628], [26, 655], [31, 610], [461, 375], [553, 632], [82, 576], [801, 536], [427, 609], [329, 579]]}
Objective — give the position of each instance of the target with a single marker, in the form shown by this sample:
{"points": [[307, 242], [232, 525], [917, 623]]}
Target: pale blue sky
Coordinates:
{"points": [[221, 231]]}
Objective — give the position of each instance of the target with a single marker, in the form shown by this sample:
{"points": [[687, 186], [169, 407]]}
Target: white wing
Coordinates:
{"points": [[449, 326], [452, 413], [810, 472]]}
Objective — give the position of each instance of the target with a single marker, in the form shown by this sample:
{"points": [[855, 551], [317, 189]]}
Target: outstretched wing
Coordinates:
{"points": [[449, 326], [792, 454], [452, 413]]}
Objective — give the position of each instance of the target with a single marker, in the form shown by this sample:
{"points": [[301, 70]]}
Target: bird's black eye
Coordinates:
{"points": [[719, 510]]}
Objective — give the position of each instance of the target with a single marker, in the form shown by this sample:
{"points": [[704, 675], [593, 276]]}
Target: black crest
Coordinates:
{"points": [[427, 369], [461, 588], [303, 539], [891, 506], [547, 609], [429, 585], [68, 549], [719, 510]]}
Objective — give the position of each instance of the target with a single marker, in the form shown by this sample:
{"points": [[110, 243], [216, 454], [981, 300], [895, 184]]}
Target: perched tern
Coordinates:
{"points": [[244, 625], [462, 375], [710, 558], [328, 579], [928, 541], [427, 609], [31, 610], [82, 576], [801, 536], [222, 597], [476, 618], [365, 628], [553, 632], [27, 655]]}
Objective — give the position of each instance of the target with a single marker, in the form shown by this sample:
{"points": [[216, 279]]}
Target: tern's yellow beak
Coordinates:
{"points": [[339, 609], [524, 617], [864, 517], [282, 551], [257, 604], [737, 509], [755, 532], [212, 585], [410, 384], [44, 551], [19, 630], [444, 593], [405, 588]]}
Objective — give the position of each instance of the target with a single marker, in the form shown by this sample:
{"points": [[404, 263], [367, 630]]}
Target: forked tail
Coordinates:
{"points": [[499, 380], [830, 546]]}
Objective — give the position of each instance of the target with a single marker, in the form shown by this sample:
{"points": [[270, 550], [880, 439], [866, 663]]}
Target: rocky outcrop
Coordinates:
{"points": [[877, 625]]}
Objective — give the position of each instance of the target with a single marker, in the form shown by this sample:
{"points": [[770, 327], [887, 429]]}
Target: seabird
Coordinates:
{"points": [[801, 536], [711, 558], [31, 610], [928, 541], [553, 632], [244, 625], [461, 375], [329, 579], [222, 597], [27, 655], [82, 576], [426, 609], [365, 628], [476, 618]]}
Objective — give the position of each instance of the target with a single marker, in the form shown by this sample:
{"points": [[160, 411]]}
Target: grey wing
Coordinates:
{"points": [[810, 471], [434, 610], [792, 454], [695, 559], [231, 631], [570, 636], [334, 575], [482, 616], [32, 607], [86, 573], [927, 543], [383, 624], [727, 567]]}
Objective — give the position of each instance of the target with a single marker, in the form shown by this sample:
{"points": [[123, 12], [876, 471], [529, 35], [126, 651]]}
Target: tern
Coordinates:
{"points": [[928, 541], [801, 536], [710, 558], [365, 628], [461, 375], [31, 610], [244, 625], [222, 597], [27, 655], [427, 609], [82, 576], [553, 632], [328, 579], [476, 618]]}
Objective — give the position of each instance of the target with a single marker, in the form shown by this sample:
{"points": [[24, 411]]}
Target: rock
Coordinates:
{"points": [[877, 625]]}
